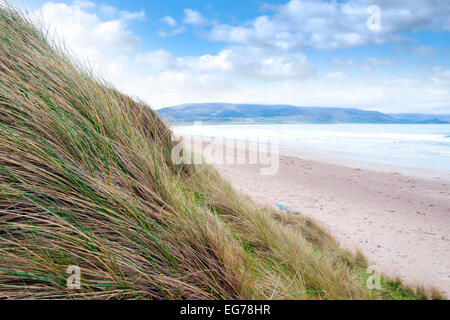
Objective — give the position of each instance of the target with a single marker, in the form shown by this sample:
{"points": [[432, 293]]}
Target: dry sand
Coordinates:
{"points": [[401, 222]]}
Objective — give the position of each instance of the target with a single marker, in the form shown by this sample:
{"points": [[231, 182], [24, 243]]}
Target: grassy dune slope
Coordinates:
{"points": [[86, 179]]}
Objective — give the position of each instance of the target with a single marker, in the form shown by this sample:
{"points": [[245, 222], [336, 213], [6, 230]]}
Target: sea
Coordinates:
{"points": [[424, 146]]}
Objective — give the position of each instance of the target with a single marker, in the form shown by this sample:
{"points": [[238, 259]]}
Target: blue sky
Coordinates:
{"points": [[387, 55]]}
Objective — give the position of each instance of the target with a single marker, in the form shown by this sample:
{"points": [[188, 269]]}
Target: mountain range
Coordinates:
{"points": [[256, 113]]}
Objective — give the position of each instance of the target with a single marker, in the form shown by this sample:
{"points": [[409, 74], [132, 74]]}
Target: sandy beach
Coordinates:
{"points": [[399, 217]]}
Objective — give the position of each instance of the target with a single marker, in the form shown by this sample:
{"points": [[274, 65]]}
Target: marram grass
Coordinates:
{"points": [[86, 179]]}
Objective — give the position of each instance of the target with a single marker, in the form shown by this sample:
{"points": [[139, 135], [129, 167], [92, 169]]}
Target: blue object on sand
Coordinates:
{"points": [[283, 208]]}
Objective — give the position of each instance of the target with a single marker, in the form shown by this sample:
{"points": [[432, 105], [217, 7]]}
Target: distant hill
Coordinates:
{"points": [[253, 113], [422, 118]]}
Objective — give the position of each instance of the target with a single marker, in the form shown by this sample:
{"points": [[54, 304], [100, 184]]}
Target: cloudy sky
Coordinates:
{"points": [[300, 52]]}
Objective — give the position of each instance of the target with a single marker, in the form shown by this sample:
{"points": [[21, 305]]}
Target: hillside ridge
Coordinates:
{"points": [[281, 113]]}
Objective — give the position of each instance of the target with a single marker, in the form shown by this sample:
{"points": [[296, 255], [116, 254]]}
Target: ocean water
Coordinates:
{"points": [[418, 146]]}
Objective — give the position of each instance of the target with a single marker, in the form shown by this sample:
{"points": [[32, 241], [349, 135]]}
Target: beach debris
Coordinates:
{"points": [[421, 213], [282, 207]]}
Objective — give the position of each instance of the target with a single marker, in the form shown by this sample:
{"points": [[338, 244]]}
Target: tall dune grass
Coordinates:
{"points": [[86, 179]]}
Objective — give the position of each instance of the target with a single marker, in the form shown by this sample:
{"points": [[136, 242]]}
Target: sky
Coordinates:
{"points": [[387, 55]]}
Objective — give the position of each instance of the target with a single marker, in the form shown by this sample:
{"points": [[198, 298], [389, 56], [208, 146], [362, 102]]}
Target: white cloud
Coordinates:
{"points": [[171, 88], [328, 25], [367, 64], [194, 17], [344, 63], [370, 63], [115, 13], [84, 31], [171, 27], [246, 62], [425, 51], [158, 60], [171, 22], [378, 62], [84, 4], [441, 77]]}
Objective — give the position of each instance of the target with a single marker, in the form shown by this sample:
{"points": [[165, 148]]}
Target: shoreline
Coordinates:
{"points": [[400, 221], [348, 162]]}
